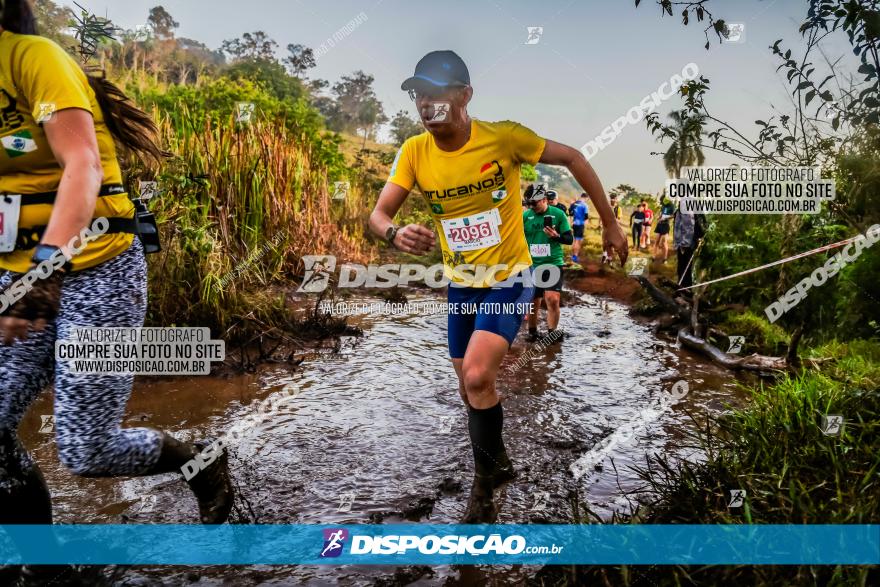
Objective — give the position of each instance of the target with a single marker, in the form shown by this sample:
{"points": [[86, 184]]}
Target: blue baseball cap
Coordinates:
{"points": [[439, 69]]}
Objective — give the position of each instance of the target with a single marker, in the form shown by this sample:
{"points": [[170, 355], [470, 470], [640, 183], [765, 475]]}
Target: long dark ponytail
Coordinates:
{"points": [[18, 18], [130, 126]]}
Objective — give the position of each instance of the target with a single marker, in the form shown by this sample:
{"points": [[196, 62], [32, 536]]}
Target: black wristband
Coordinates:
{"points": [[391, 233]]}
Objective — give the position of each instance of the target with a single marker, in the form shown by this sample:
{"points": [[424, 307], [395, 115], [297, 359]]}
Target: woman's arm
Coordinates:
{"points": [[71, 136]]}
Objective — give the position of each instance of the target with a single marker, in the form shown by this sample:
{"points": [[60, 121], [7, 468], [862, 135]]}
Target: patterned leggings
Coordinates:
{"points": [[88, 408]]}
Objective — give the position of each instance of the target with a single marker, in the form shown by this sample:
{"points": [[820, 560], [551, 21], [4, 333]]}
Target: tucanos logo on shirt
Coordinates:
{"points": [[487, 166], [19, 143], [496, 181], [10, 118]]}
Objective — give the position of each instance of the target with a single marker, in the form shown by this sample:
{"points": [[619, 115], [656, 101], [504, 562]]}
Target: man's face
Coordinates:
{"points": [[441, 110], [540, 206]]}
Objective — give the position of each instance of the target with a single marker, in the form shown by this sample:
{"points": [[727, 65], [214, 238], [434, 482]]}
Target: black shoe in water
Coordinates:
{"points": [[555, 335], [532, 336], [213, 488], [481, 506], [212, 485], [503, 472]]}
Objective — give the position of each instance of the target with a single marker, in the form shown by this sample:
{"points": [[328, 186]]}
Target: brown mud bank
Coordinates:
{"points": [[601, 280]]}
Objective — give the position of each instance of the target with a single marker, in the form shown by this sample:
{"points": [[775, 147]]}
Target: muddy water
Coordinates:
{"points": [[377, 433]]}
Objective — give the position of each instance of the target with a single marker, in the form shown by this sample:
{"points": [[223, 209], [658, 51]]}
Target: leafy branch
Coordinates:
{"points": [[91, 30], [694, 9]]}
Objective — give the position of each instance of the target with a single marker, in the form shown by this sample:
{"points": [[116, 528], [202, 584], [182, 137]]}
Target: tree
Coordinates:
{"points": [[53, 21], [356, 106], [299, 60], [829, 124], [255, 46], [161, 23], [269, 74], [404, 127], [685, 149], [628, 195], [560, 180]]}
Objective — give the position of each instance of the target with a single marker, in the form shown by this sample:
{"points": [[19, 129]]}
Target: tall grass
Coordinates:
{"points": [[230, 190]]}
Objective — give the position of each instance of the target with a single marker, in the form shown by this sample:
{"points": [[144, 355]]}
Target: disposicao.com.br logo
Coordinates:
{"points": [[321, 270], [449, 544]]}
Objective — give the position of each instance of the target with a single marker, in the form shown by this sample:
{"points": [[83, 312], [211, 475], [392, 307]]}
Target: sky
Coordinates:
{"points": [[594, 60]]}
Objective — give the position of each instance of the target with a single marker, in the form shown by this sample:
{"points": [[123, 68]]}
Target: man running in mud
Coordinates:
{"points": [[468, 170]]}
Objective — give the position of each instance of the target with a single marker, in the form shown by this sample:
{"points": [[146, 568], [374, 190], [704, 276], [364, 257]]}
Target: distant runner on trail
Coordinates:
{"points": [[636, 221], [546, 229], [580, 215], [469, 173], [666, 212], [646, 226], [553, 200]]}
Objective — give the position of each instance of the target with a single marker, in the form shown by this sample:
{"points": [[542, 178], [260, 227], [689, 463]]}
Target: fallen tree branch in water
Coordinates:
{"points": [[687, 316], [682, 312], [752, 362]]}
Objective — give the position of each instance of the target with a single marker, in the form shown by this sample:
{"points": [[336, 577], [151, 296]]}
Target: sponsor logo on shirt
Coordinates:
{"points": [[10, 118], [493, 183]]}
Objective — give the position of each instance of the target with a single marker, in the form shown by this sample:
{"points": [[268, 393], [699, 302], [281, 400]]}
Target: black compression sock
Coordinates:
{"points": [[485, 430]]}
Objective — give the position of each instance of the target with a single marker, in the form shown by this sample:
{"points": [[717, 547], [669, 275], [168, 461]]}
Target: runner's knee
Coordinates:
{"points": [[478, 381]]}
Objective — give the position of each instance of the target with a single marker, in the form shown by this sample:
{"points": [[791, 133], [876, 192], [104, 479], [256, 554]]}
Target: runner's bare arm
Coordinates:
{"points": [[412, 238], [572, 159], [71, 136]]}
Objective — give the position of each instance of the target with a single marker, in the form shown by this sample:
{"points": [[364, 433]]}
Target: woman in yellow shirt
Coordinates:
{"points": [[59, 177]]}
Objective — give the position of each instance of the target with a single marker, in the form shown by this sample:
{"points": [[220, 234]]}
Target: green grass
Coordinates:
{"points": [[792, 472], [760, 336]]}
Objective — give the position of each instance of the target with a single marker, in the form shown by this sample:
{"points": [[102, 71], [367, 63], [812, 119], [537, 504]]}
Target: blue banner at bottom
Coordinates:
{"points": [[431, 544]]}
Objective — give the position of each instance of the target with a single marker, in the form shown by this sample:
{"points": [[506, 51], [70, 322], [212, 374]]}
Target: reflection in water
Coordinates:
{"points": [[378, 432]]}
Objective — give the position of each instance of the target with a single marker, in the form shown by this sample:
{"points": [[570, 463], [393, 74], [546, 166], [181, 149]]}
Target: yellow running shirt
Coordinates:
{"points": [[36, 78], [474, 196]]}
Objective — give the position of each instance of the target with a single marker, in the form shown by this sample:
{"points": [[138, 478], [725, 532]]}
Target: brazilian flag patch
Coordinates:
{"points": [[436, 208], [19, 143]]}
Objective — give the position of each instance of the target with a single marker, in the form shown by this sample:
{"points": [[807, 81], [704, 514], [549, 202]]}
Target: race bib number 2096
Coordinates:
{"points": [[472, 233]]}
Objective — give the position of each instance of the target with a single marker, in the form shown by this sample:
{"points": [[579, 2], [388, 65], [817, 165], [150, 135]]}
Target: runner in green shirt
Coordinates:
{"points": [[547, 229]]}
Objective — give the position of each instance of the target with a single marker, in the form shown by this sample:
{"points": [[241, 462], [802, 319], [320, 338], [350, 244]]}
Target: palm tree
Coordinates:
{"points": [[685, 149]]}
